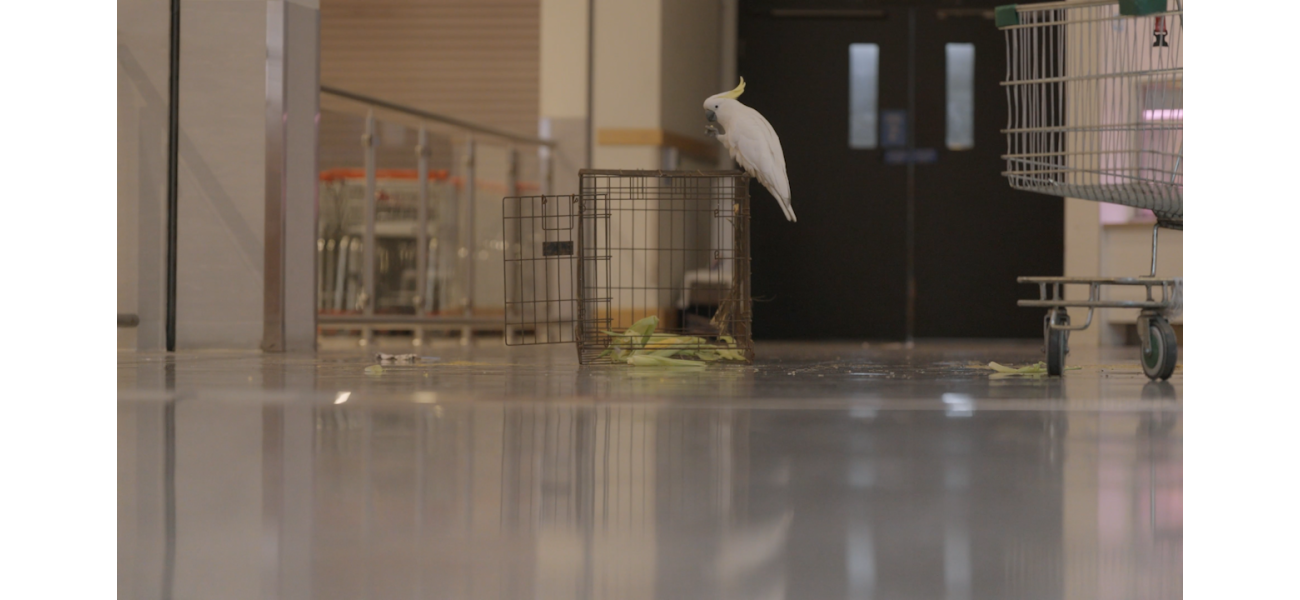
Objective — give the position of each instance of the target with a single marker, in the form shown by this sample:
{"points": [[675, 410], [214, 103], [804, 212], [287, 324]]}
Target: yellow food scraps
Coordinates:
{"points": [[1035, 369], [641, 346]]}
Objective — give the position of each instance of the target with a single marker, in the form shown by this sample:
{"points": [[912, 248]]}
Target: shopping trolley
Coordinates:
{"points": [[1094, 111]]}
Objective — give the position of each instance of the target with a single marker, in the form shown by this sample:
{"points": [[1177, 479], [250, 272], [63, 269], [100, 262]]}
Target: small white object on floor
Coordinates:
{"points": [[396, 359]]}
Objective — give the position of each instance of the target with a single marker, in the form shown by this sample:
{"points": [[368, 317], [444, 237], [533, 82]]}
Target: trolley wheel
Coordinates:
{"points": [[1058, 342], [1160, 350], [1058, 345]]}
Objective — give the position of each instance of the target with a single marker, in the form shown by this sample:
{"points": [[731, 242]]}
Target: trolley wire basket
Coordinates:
{"points": [[671, 247], [1095, 102], [1095, 112]]}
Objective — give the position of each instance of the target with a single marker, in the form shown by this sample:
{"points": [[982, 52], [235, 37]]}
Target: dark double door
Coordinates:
{"points": [[920, 234]]}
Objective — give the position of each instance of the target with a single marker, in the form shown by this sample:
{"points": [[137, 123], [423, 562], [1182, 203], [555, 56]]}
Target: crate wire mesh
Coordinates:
{"points": [[630, 245], [1094, 102]]}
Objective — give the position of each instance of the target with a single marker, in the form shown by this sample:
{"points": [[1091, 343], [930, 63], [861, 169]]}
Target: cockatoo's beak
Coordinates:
{"points": [[710, 116]]}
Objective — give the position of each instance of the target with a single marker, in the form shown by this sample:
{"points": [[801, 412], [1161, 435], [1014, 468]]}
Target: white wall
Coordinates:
{"points": [[1082, 256], [1126, 252], [1093, 249], [222, 174], [563, 88], [691, 62], [628, 42], [142, 76], [227, 64]]}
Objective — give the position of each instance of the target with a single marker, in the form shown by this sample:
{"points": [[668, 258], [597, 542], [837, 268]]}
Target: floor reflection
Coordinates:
{"points": [[222, 499]]}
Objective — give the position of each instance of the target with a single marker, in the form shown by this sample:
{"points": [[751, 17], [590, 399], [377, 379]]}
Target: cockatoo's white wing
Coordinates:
{"points": [[756, 147]]}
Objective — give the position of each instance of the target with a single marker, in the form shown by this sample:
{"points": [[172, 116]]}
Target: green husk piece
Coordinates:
{"points": [[730, 354], [645, 328], [631, 341], [374, 370], [1037, 368], [673, 342], [662, 361], [685, 346], [708, 354], [732, 351], [1034, 368], [631, 334], [640, 345]]}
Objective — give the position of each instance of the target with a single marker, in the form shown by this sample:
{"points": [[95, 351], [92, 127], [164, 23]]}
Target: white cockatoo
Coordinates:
{"points": [[751, 141]]}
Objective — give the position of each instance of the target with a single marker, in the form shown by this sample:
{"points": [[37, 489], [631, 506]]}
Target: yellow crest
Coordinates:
{"points": [[733, 94]]}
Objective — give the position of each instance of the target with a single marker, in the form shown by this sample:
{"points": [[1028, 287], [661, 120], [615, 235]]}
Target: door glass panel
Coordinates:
{"points": [[961, 96], [864, 63]]}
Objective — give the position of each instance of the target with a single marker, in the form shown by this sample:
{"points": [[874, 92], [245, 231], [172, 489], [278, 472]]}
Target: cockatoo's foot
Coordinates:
{"points": [[714, 131]]}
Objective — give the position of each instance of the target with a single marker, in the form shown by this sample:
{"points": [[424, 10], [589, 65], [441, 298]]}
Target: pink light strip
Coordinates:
{"points": [[1163, 114]]}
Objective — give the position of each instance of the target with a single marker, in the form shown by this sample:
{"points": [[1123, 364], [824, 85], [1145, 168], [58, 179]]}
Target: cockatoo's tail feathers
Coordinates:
{"points": [[733, 94]]}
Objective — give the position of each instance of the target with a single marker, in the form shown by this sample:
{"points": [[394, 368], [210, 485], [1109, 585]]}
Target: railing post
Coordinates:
{"points": [[547, 170], [455, 238], [367, 300], [1155, 247], [512, 171], [468, 240], [422, 235], [344, 250]]}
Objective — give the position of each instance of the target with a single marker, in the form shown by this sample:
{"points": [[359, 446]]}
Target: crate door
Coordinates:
{"points": [[541, 269]]}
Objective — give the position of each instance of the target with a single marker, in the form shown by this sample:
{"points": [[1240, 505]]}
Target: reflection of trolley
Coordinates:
{"points": [[1095, 111]]}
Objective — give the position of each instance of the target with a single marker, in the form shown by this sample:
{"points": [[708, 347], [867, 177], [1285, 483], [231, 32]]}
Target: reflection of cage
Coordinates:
{"points": [[633, 244], [1095, 111], [414, 478]]}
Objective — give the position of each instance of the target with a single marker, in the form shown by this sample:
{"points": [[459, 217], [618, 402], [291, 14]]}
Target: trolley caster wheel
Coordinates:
{"points": [[1159, 348], [1058, 344]]}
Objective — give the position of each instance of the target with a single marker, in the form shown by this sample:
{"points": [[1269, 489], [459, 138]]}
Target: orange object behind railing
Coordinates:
{"points": [[332, 175]]}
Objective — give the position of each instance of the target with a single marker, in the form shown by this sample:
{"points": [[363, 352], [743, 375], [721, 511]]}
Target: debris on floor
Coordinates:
{"points": [[640, 346], [650, 360], [1035, 370], [396, 359], [374, 370]]}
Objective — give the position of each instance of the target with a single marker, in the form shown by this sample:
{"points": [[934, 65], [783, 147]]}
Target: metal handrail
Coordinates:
{"points": [[429, 116], [368, 321], [1036, 6]]}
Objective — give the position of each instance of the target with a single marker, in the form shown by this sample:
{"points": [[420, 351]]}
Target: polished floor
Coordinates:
{"points": [[822, 471]]}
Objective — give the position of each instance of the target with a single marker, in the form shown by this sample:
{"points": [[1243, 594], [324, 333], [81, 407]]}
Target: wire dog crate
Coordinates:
{"points": [[631, 245], [1095, 111]]}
